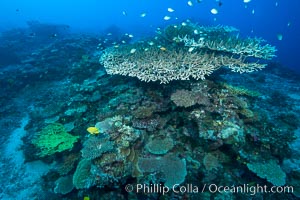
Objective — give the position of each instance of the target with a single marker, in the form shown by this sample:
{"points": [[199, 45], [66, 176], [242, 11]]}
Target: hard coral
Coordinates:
{"points": [[173, 168], [96, 146], [269, 170], [52, 139], [187, 55]]}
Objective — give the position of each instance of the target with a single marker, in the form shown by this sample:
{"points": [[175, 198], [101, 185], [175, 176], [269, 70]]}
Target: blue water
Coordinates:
{"points": [[265, 19]]}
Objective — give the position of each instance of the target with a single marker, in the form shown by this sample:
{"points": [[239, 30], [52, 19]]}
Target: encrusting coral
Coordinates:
{"points": [[190, 55]]}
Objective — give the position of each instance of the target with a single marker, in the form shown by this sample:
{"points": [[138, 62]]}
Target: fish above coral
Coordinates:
{"points": [[187, 51]]}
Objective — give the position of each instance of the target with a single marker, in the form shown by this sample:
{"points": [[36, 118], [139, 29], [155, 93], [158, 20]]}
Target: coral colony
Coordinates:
{"points": [[178, 53]]}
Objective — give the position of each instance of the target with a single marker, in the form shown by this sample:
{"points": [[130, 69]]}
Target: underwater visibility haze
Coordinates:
{"points": [[170, 99]]}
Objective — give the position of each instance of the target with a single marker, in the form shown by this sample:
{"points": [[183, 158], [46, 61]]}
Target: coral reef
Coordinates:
{"points": [[228, 129]]}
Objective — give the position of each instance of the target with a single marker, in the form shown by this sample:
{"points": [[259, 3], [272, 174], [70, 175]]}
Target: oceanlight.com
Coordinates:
{"points": [[212, 188]]}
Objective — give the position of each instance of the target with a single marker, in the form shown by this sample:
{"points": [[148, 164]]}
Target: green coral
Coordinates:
{"points": [[269, 170], [52, 139]]}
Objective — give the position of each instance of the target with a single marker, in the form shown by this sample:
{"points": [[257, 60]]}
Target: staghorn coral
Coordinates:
{"points": [[52, 139], [250, 47], [157, 65], [193, 55]]}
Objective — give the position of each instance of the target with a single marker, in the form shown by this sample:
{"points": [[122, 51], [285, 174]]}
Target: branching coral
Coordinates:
{"points": [[192, 55]]}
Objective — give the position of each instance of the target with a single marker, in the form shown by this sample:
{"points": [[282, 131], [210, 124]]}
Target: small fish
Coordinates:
{"points": [[247, 1], [109, 34], [176, 39], [279, 36], [146, 49], [289, 24], [191, 49], [54, 35], [214, 11], [167, 17], [130, 35], [123, 42], [190, 3], [93, 130], [253, 11], [151, 43], [143, 14], [124, 13], [171, 10], [183, 24], [163, 48], [196, 32], [220, 3], [276, 3]]}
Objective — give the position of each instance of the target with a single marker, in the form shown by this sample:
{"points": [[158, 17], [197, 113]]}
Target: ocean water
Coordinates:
{"points": [[148, 99]]}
